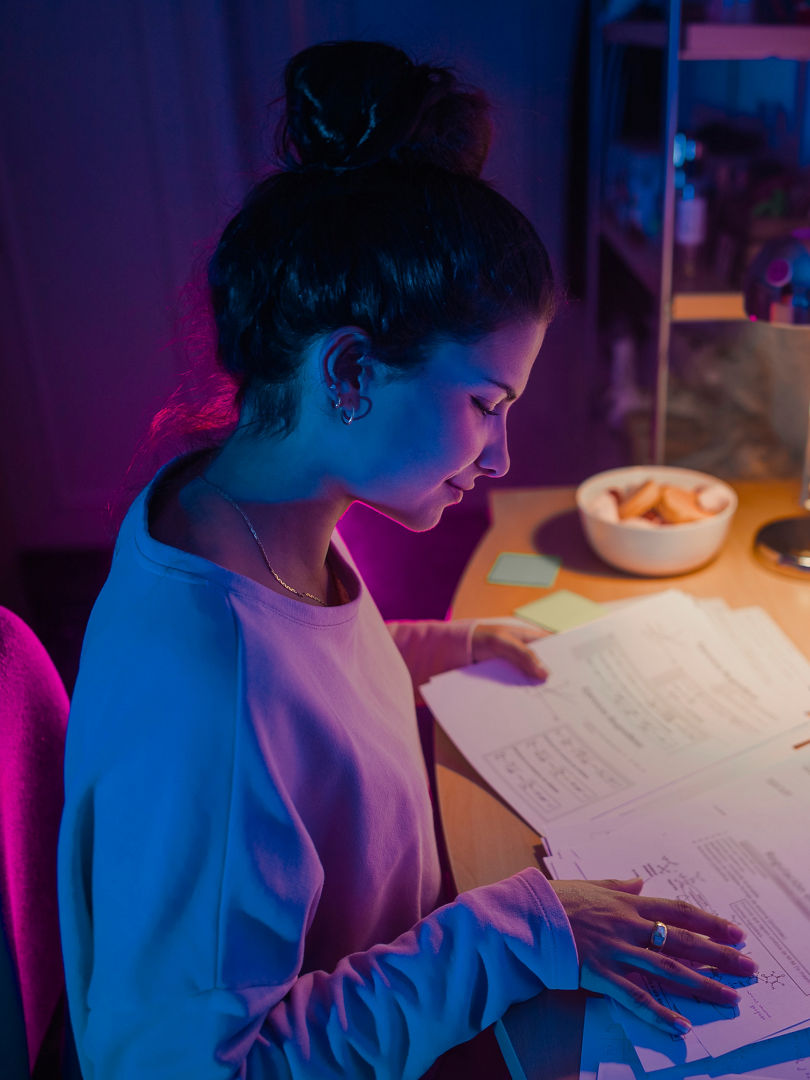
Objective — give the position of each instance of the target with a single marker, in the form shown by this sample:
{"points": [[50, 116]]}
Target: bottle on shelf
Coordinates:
{"points": [[691, 208]]}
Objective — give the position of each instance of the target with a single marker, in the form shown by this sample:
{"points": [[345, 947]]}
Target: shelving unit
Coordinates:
{"points": [[651, 262], [716, 41]]}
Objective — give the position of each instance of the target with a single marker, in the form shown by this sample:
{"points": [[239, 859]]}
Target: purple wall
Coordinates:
{"points": [[128, 134]]}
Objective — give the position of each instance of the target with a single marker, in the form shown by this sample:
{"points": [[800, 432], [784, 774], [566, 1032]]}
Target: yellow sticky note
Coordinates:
{"points": [[561, 610]]}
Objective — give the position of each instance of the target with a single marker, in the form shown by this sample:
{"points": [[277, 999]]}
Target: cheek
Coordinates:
{"points": [[465, 431], [453, 442], [432, 438]]}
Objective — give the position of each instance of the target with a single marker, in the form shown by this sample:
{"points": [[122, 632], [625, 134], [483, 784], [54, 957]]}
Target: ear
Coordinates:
{"points": [[347, 368]]}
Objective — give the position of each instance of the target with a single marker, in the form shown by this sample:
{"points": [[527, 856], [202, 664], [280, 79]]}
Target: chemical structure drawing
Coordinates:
{"points": [[771, 979], [664, 865]]}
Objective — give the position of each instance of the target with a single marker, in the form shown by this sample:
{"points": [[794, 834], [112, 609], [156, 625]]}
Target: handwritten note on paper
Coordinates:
{"points": [[636, 700]]}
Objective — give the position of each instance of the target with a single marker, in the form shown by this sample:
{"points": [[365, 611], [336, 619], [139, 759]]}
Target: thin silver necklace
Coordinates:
{"points": [[255, 535]]}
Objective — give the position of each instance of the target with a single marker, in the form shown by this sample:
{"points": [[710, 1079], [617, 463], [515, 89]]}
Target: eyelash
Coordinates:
{"points": [[483, 409]]}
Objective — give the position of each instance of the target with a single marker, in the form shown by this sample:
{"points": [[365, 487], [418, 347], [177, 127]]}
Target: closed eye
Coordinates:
{"points": [[484, 408]]}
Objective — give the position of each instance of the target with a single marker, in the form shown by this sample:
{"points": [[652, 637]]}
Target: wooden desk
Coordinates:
{"points": [[486, 840]]}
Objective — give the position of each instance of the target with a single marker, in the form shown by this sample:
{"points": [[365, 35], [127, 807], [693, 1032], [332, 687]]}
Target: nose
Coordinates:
{"points": [[494, 458]]}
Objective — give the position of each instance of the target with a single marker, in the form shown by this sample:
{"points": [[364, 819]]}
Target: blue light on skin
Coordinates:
{"points": [[426, 438]]}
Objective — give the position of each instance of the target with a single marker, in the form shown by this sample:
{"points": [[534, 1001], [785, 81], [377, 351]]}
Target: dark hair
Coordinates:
{"points": [[376, 218]]}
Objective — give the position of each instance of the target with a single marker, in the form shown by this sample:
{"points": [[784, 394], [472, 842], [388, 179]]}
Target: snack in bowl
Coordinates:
{"points": [[655, 520], [639, 502], [653, 503], [677, 506]]}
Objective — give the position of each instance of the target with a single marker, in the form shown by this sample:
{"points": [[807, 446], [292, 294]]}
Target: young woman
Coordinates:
{"points": [[249, 879]]}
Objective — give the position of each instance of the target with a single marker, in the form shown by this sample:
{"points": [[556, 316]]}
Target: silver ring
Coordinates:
{"points": [[658, 937]]}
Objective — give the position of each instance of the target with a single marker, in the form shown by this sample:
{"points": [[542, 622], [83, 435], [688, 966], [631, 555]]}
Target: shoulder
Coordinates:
{"points": [[161, 626], [158, 664]]}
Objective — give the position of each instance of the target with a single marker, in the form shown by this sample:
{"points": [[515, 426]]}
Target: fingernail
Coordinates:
{"points": [[736, 932], [681, 1025], [748, 966]]}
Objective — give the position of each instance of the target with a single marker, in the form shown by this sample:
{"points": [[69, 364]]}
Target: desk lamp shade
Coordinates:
{"points": [[777, 290]]}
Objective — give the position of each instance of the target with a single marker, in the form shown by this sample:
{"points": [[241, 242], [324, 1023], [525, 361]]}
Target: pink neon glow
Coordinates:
{"points": [[33, 720]]}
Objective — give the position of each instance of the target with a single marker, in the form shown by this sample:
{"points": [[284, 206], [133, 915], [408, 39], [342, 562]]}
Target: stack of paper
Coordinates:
{"points": [[608, 1055], [742, 851], [671, 742]]}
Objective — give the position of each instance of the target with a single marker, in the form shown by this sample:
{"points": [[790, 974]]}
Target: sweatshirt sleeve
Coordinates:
{"points": [[389, 1012], [431, 646]]}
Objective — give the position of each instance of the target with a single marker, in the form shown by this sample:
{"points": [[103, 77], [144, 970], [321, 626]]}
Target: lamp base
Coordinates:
{"points": [[784, 546]]}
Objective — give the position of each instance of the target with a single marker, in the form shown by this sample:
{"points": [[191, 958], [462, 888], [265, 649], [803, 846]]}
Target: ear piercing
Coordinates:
{"points": [[345, 416]]}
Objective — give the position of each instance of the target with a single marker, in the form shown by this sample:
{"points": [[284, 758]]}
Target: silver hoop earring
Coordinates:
{"points": [[344, 416]]}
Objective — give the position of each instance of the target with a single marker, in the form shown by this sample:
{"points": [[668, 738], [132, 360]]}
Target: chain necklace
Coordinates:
{"points": [[255, 535]]}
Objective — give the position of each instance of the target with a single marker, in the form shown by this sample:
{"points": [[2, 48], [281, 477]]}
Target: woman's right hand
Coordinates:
{"points": [[612, 925]]}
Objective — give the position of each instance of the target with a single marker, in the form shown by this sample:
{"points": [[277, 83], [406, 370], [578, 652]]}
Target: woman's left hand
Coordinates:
{"points": [[612, 923], [508, 641]]}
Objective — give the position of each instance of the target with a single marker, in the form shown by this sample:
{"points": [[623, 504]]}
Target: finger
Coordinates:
{"points": [[670, 970], [506, 646], [526, 660], [688, 946], [628, 885], [636, 999], [680, 913]]}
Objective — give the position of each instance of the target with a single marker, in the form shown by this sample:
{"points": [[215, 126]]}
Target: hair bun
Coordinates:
{"points": [[355, 103]]}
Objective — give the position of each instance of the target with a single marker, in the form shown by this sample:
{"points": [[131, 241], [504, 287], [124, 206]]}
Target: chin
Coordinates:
{"points": [[422, 522], [421, 519]]}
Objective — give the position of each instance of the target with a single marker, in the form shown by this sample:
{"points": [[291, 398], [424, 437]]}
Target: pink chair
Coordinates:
{"points": [[33, 721]]}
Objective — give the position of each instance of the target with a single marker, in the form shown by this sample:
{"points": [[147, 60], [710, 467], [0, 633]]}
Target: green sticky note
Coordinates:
{"points": [[561, 610], [512, 568]]}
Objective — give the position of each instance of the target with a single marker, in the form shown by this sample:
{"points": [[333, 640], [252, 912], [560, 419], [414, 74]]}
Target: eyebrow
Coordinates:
{"points": [[507, 389]]}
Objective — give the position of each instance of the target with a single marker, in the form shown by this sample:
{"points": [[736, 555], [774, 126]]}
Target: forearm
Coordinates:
{"points": [[393, 1010], [432, 646]]}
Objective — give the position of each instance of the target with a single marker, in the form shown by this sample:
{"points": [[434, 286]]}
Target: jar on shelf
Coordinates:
{"points": [[777, 283]]}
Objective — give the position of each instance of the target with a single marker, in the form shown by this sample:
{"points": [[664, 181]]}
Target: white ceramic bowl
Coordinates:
{"points": [[662, 550]]}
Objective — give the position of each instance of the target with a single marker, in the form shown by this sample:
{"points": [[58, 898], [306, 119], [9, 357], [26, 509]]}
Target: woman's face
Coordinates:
{"points": [[429, 436]]}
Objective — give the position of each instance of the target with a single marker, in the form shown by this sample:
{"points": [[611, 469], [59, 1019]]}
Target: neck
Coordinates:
{"points": [[293, 519]]}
